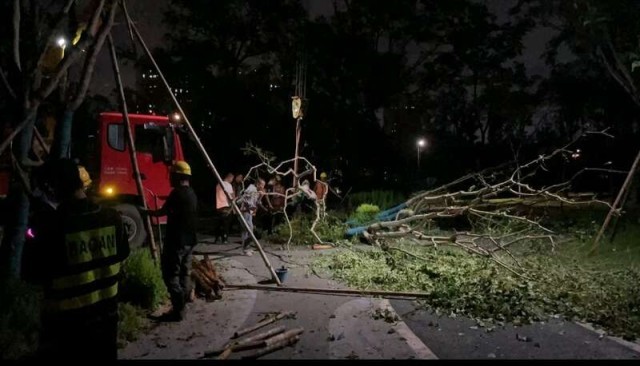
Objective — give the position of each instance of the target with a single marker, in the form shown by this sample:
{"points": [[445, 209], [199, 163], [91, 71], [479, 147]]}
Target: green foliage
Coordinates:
{"points": [[131, 322], [19, 319], [365, 213], [331, 229], [581, 224], [383, 199], [603, 290], [142, 283]]}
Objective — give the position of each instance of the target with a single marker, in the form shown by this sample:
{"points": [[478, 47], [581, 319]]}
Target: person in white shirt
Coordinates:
{"points": [[224, 212], [248, 203]]}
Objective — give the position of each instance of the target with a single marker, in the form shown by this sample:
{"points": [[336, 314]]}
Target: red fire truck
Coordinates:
{"points": [[157, 146]]}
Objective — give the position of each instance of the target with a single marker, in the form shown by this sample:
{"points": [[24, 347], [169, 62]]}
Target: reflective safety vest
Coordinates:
{"points": [[85, 246]]}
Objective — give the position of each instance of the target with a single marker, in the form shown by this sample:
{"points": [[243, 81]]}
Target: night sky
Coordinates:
{"points": [[148, 15]]}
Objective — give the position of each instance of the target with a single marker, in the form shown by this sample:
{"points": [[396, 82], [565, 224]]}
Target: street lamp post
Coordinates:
{"points": [[420, 144]]}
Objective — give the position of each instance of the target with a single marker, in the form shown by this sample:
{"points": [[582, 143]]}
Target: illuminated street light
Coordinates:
{"points": [[420, 144], [176, 116], [61, 42]]}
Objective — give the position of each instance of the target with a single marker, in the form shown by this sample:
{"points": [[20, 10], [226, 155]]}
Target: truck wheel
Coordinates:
{"points": [[133, 224]]}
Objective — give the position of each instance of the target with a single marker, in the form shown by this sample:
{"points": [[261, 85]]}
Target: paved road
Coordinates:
{"points": [[459, 338], [344, 327], [336, 327]]}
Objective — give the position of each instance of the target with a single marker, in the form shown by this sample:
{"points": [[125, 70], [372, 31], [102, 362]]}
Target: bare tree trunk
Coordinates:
{"points": [[13, 241], [62, 144], [43, 92]]}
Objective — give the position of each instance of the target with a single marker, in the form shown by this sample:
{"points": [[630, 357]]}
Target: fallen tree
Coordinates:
{"points": [[499, 203]]}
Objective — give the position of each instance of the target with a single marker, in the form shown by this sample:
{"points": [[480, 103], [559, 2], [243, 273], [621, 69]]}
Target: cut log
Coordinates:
{"points": [[321, 246], [255, 341], [263, 323], [209, 277], [200, 283], [283, 337], [207, 282], [274, 347]]}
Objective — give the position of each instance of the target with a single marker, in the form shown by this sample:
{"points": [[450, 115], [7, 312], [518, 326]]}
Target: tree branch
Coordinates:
{"points": [[6, 84], [16, 34], [91, 59]]}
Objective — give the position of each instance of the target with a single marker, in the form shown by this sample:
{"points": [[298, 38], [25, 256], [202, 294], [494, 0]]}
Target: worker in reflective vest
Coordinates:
{"points": [[76, 256]]}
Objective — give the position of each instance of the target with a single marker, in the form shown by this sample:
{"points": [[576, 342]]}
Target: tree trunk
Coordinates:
{"points": [[14, 231], [16, 34], [62, 142], [18, 203]]}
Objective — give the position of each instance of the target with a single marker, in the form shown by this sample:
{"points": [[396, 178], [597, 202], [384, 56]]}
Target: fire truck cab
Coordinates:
{"points": [[108, 162], [157, 146]]}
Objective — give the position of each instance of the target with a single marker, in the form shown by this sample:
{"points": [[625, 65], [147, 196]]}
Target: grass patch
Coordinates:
{"points": [[141, 290], [602, 289], [331, 229], [383, 199], [131, 323], [142, 283]]}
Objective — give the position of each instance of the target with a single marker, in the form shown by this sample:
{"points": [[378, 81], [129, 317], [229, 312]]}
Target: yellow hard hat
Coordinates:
{"points": [[84, 176], [323, 175], [181, 167]]}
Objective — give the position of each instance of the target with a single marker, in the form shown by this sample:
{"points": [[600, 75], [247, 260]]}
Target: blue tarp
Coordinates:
{"points": [[386, 215]]}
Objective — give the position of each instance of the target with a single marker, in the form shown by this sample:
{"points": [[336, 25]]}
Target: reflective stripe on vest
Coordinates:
{"points": [[86, 277], [82, 300]]}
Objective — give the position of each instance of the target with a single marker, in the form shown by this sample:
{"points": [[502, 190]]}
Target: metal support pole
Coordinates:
{"points": [[156, 221], [616, 203], [132, 147], [204, 152], [297, 152]]}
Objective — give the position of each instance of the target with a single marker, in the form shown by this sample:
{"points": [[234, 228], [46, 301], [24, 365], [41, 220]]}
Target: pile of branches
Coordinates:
{"points": [[505, 195]]}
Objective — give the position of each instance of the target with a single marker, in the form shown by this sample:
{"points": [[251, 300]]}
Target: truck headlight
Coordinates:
{"points": [[109, 191]]}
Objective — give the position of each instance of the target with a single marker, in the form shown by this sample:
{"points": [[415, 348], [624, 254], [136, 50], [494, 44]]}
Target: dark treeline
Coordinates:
{"points": [[381, 74]]}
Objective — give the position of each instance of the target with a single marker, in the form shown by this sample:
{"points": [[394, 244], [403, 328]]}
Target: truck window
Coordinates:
{"points": [[150, 141], [115, 136]]}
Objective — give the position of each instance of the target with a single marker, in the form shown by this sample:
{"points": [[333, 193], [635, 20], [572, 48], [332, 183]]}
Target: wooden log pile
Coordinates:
{"points": [[208, 284], [261, 343]]}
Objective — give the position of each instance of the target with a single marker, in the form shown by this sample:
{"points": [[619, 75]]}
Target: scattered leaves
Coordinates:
{"points": [[567, 284], [386, 314]]}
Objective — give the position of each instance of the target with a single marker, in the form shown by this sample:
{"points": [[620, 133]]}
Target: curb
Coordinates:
{"points": [[422, 351], [634, 346]]}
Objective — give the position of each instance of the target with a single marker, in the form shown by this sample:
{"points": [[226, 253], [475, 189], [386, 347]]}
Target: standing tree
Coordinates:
{"points": [[606, 34], [40, 51]]}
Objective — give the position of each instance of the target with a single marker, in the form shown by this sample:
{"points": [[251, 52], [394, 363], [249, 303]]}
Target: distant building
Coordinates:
{"points": [[152, 98]]}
